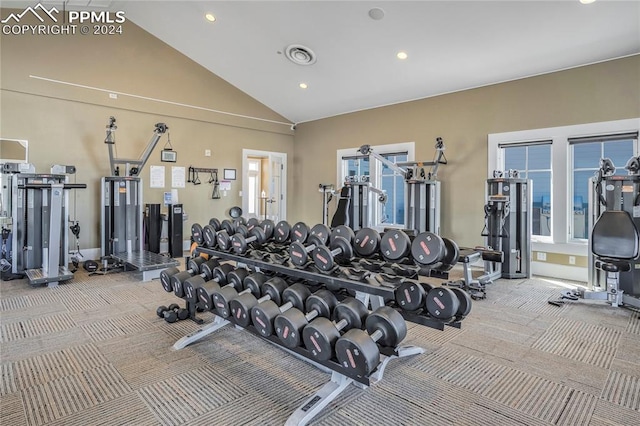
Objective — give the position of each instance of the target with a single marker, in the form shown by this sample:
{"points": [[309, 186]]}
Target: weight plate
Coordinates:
{"points": [[451, 254], [215, 222], [442, 303], [366, 242], [282, 231], [209, 234], [410, 295], [343, 231], [390, 322], [298, 254], [268, 226], [465, 302], [323, 258], [165, 278], [427, 248], [394, 244], [356, 352], [228, 226], [300, 232], [322, 232], [160, 311], [196, 233], [252, 223]]}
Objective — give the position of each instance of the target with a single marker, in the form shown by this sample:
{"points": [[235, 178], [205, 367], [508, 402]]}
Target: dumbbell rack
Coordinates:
{"points": [[370, 295], [341, 377]]}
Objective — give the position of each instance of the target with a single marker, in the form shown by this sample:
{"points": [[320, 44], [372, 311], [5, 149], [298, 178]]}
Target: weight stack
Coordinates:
{"points": [[174, 218], [153, 227]]}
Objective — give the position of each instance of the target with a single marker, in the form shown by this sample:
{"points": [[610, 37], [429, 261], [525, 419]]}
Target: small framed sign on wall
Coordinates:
{"points": [[229, 174]]}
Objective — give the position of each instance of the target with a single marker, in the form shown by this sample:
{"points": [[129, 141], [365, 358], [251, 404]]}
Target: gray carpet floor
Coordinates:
{"points": [[93, 352]]}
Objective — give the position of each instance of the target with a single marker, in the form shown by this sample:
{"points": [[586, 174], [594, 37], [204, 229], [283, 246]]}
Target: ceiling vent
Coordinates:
{"points": [[300, 55]]}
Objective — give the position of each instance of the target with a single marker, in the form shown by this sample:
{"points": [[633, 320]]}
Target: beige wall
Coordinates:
{"points": [[601, 92], [66, 125]]}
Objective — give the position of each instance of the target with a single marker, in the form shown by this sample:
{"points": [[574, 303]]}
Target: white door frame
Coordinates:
{"points": [[246, 153]]}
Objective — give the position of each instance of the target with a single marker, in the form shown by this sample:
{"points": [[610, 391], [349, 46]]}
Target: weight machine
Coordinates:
{"points": [[37, 230], [507, 225], [422, 193], [422, 189], [122, 211], [614, 221]]}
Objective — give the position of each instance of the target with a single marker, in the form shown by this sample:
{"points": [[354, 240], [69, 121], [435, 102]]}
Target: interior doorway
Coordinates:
{"points": [[264, 184]]}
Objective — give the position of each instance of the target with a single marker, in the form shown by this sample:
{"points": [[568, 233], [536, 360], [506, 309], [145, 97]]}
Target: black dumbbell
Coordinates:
{"points": [[210, 234], [448, 304], [299, 253], [268, 227], [299, 232], [289, 324], [366, 242], [221, 276], [357, 350], [324, 258], [394, 245], [343, 231], [241, 306], [264, 314], [193, 264], [190, 285], [166, 276], [321, 334], [225, 225], [427, 248], [172, 313], [212, 274], [196, 233], [411, 295], [240, 243], [281, 232], [224, 295]]}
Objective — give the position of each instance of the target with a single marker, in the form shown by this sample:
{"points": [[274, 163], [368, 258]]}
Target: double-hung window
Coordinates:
{"points": [[533, 161], [585, 155], [350, 163]]}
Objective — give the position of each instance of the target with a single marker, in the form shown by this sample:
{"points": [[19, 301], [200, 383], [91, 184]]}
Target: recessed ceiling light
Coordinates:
{"points": [[587, 1], [402, 55], [303, 85], [376, 14], [210, 17]]}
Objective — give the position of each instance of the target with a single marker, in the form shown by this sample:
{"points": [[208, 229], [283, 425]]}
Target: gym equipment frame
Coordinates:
{"points": [[422, 189], [508, 225], [614, 193], [39, 208], [122, 211]]}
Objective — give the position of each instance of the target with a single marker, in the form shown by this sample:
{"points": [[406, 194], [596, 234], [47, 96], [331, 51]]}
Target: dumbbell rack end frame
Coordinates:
{"points": [[341, 378]]}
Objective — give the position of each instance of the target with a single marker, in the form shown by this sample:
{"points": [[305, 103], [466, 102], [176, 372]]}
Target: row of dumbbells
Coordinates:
{"points": [[298, 317], [327, 247], [202, 278]]}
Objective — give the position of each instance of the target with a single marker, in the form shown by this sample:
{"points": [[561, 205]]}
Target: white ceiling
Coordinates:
{"points": [[451, 45]]}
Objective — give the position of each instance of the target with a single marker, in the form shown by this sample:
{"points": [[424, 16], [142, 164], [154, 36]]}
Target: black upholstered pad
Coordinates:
{"points": [[615, 236]]}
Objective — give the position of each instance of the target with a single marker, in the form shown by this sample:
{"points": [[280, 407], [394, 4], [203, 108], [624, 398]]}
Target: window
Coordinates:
{"points": [[393, 185], [253, 196], [586, 153], [381, 177], [533, 161]]}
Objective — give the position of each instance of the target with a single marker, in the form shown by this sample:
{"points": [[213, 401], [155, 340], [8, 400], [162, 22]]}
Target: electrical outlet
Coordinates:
{"points": [[239, 193], [572, 260], [542, 256], [113, 95], [207, 153]]}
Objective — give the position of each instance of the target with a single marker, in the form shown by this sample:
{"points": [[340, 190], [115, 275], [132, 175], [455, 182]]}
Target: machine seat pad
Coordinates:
{"points": [[615, 236], [613, 265]]}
